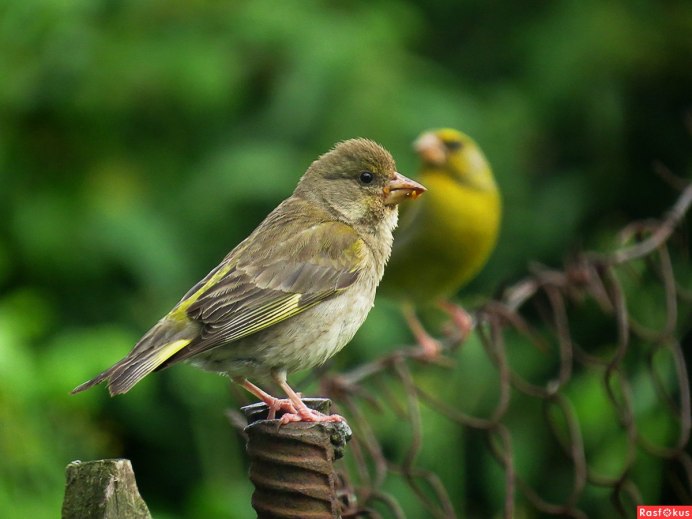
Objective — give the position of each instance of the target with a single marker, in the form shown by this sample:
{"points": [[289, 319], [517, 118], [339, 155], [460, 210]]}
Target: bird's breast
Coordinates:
{"points": [[454, 231], [300, 342]]}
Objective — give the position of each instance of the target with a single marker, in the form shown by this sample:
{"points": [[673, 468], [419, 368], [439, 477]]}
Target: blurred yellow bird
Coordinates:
{"points": [[445, 240]]}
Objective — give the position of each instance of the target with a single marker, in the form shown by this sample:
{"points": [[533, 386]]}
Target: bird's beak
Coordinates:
{"points": [[400, 188], [431, 149]]}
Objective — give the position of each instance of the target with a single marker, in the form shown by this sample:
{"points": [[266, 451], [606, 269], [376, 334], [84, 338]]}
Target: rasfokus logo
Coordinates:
{"points": [[664, 511]]}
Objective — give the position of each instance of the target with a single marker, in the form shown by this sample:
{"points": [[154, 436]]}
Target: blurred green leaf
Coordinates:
{"points": [[141, 140]]}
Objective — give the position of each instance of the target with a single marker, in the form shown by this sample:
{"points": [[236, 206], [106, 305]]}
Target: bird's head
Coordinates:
{"points": [[357, 181], [454, 153]]}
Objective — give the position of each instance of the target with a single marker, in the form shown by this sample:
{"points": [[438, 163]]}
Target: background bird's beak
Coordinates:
{"points": [[400, 188], [431, 149]]}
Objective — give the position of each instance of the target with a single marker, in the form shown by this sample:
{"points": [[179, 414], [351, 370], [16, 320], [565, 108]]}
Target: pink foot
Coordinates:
{"points": [[430, 349], [280, 404], [461, 318], [431, 352], [305, 414]]}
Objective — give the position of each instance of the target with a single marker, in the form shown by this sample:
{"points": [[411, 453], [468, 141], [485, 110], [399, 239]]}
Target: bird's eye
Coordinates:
{"points": [[453, 145], [366, 177]]}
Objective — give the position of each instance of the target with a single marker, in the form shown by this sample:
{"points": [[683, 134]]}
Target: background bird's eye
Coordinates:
{"points": [[366, 177], [453, 145]]}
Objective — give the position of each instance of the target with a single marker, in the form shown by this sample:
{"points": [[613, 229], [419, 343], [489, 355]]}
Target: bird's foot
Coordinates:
{"points": [[283, 405], [305, 414], [300, 412], [429, 349], [430, 352], [462, 320]]}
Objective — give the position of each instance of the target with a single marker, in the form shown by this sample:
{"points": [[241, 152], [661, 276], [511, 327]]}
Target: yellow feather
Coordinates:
{"points": [[449, 234], [179, 313], [149, 364]]}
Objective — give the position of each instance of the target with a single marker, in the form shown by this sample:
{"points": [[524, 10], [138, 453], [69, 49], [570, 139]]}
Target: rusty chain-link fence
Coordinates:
{"points": [[571, 397]]}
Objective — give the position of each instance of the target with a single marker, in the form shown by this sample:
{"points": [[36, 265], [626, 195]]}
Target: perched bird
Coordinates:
{"points": [[445, 239], [291, 294]]}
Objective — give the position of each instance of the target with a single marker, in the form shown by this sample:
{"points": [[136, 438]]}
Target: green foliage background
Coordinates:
{"points": [[141, 140]]}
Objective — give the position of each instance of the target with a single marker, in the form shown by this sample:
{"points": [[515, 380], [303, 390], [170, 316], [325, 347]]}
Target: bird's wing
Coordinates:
{"points": [[262, 286]]}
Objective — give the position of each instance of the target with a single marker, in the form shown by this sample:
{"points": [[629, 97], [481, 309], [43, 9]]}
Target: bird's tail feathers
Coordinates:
{"points": [[91, 383], [133, 368]]}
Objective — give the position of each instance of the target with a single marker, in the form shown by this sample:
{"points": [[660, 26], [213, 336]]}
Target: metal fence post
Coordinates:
{"points": [[291, 466]]}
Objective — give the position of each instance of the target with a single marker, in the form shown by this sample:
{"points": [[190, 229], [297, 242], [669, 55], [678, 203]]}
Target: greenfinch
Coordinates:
{"points": [[291, 294], [447, 237]]}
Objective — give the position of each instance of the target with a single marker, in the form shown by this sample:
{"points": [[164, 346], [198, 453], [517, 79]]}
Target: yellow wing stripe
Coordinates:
{"points": [[264, 316], [180, 312], [154, 361]]}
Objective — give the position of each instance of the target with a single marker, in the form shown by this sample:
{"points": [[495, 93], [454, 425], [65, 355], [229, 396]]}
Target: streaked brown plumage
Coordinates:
{"points": [[292, 293]]}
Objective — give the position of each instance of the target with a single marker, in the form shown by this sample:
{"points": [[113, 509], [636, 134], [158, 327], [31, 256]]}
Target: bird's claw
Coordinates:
{"points": [[280, 404], [309, 415], [430, 349], [433, 356], [463, 321]]}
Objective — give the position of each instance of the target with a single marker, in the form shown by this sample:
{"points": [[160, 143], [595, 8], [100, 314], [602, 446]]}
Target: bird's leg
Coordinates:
{"points": [[274, 404], [460, 317], [302, 413], [431, 348]]}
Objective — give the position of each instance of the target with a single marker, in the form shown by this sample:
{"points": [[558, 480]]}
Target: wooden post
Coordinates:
{"points": [[102, 489]]}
